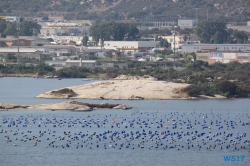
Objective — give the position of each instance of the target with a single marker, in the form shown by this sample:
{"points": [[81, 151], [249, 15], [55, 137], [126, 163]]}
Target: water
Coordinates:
{"points": [[24, 90]]}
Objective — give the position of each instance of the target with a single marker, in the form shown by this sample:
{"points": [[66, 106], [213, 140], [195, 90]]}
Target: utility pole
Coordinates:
{"points": [[18, 54], [174, 48], [174, 45]]}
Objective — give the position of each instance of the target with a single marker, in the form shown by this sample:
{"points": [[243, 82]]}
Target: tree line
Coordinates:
{"points": [[114, 31], [216, 32], [26, 28]]}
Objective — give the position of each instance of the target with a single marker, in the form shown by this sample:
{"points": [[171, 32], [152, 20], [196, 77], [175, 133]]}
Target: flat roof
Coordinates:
{"points": [[83, 61]]}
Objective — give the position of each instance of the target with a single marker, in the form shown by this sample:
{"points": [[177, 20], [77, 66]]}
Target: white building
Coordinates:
{"points": [[214, 47], [11, 18], [23, 50], [187, 23], [84, 63], [130, 46], [62, 50], [248, 23], [177, 41]]}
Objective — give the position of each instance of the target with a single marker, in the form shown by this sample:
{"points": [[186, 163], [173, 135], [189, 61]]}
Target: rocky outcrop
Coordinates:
{"points": [[68, 105], [125, 90]]}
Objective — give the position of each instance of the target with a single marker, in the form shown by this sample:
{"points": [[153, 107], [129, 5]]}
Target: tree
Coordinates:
{"points": [[10, 29], [226, 87], [185, 38], [163, 42], [213, 31], [133, 32], [113, 31], [85, 40], [3, 25], [241, 37], [29, 28]]}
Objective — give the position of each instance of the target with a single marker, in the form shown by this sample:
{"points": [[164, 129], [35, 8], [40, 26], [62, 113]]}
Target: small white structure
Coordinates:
{"points": [[187, 23], [84, 63], [130, 46], [62, 50], [11, 18], [179, 41], [248, 23]]}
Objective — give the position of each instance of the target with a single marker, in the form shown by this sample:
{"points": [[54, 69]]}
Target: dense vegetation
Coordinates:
{"points": [[215, 31], [139, 10], [26, 28], [114, 31]]}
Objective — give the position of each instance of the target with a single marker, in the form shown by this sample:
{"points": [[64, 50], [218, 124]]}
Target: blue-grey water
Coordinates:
{"points": [[154, 112]]}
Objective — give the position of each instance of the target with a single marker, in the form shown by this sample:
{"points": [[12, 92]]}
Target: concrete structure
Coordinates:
{"points": [[75, 28], [56, 18], [179, 41], [23, 50], [212, 57], [214, 47], [56, 63], [11, 18], [62, 50], [67, 39], [130, 46], [24, 41], [84, 63], [28, 52], [187, 23]]}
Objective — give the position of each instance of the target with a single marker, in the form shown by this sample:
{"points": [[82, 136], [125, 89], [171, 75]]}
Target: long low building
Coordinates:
{"points": [[23, 50], [186, 48], [130, 46], [213, 57], [84, 63]]}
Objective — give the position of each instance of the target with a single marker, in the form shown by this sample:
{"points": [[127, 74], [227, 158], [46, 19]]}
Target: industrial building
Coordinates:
{"points": [[186, 48], [223, 57], [127, 47]]}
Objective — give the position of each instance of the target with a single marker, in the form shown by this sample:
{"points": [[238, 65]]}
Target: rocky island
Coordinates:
{"points": [[122, 88], [68, 105]]}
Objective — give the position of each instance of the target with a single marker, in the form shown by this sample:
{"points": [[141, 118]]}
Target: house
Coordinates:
{"points": [[189, 48]]}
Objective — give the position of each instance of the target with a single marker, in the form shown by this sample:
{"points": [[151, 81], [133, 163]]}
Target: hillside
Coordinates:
{"points": [[137, 10]]}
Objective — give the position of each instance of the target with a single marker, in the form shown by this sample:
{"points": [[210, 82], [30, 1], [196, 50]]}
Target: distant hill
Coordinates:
{"points": [[137, 10]]}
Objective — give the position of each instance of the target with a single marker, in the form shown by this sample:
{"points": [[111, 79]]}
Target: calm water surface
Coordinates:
{"points": [[24, 90]]}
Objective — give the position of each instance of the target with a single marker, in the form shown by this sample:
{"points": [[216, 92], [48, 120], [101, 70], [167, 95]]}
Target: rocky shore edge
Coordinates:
{"points": [[68, 105]]}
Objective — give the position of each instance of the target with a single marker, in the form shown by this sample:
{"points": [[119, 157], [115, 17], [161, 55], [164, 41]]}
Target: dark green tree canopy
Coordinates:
{"points": [[212, 31], [29, 28], [114, 31]]}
